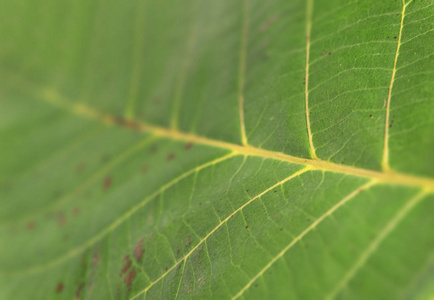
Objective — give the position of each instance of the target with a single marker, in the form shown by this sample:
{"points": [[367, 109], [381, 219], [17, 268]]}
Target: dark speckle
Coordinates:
{"points": [[127, 264], [76, 211], [188, 146], [275, 191], [154, 149], [189, 241], [78, 292], [30, 225], [61, 220], [170, 156], [247, 226], [59, 287], [394, 37], [81, 167], [107, 182], [390, 126], [130, 278], [370, 116], [138, 250], [330, 53]]}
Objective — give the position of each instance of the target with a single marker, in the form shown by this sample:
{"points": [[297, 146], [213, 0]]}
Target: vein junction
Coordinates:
{"points": [[388, 176]]}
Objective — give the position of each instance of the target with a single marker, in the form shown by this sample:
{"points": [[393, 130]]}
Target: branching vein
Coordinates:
{"points": [[385, 162]]}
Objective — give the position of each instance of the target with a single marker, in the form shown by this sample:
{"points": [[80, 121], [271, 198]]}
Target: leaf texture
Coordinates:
{"points": [[216, 149]]}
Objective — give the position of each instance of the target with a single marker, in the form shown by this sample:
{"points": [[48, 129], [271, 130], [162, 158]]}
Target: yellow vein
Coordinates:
{"points": [[137, 60], [301, 235], [242, 69], [76, 251], [296, 174], [309, 10], [88, 112], [373, 246], [385, 161]]}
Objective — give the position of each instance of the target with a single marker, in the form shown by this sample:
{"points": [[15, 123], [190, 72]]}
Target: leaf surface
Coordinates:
{"points": [[216, 149]]}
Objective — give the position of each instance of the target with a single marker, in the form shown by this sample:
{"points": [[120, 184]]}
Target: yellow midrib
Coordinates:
{"points": [[316, 164]]}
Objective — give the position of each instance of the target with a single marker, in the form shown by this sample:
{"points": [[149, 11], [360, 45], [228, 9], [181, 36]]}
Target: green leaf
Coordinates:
{"points": [[216, 149]]}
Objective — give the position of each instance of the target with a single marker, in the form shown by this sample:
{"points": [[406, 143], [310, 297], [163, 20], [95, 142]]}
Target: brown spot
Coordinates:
{"points": [[78, 292], [304, 82], [59, 287], [330, 53], [275, 191], [138, 250], [30, 225], [394, 37], [188, 146], [130, 124], [281, 229], [107, 183], [268, 22], [370, 116], [127, 264], [156, 100], [61, 220], [145, 169], [170, 156], [188, 242], [105, 158], [390, 126], [154, 149], [247, 226], [130, 278], [96, 259], [81, 167], [76, 211], [391, 122], [310, 113], [275, 217]]}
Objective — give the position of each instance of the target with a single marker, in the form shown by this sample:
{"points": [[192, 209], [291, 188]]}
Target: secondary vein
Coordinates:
{"points": [[385, 161], [309, 10], [242, 71], [301, 235]]}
